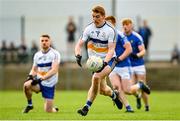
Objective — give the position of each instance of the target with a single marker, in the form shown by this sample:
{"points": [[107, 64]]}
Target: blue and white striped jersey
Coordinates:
{"points": [[43, 62], [98, 39]]}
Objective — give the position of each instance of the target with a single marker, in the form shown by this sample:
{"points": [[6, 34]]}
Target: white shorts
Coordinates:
{"points": [[123, 72], [139, 70]]}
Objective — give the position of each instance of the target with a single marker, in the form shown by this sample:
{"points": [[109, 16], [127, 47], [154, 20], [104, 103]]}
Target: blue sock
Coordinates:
{"points": [[88, 104], [128, 107], [30, 102], [140, 85]]}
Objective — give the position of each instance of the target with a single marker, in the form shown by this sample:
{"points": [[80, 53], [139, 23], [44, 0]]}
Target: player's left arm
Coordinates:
{"points": [[111, 45], [54, 68], [111, 49], [142, 50], [127, 51]]}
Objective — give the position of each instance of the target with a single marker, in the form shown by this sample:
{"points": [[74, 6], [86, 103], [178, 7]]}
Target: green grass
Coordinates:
{"points": [[163, 106]]}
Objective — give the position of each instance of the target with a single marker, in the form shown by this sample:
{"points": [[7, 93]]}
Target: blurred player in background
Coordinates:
{"points": [[43, 75], [120, 77], [121, 73], [137, 61], [101, 37]]}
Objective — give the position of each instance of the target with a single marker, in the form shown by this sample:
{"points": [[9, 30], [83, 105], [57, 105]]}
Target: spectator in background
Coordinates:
{"points": [[175, 55], [4, 51], [12, 53], [70, 29], [34, 48], [146, 33], [22, 53]]}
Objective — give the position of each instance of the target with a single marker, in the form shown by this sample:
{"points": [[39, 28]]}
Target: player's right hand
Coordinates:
{"points": [[104, 65], [35, 81], [134, 56], [117, 59], [29, 77], [78, 60]]}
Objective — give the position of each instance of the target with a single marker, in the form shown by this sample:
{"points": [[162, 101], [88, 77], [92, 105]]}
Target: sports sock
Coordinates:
{"points": [[139, 85], [147, 107], [29, 102], [88, 104], [113, 96], [128, 107]]}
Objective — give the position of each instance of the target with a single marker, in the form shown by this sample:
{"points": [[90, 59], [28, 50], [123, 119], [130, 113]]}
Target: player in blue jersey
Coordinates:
{"points": [[121, 73], [137, 61], [120, 77], [101, 43], [43, 75]]}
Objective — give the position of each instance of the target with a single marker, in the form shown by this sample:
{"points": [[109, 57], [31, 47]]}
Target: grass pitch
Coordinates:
{"points": [[163, 106]]}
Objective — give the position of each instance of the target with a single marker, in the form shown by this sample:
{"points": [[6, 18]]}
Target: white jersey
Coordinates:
{"points": [[44, 61], [98, 39]]}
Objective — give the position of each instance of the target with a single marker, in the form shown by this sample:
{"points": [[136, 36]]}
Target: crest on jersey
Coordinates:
{"points": [[44, 58], [103, 34], [131, 41]]}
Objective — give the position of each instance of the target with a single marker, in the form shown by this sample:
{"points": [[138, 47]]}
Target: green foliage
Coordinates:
{"points": [[163, 106]]}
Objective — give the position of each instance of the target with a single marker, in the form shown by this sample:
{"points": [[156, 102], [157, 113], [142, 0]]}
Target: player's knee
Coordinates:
{"points": [[127, 90], [102, 91], [96, 79], [26, 85], [116, 87]]}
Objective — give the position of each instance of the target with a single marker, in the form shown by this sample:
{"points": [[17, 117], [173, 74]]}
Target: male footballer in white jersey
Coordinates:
{"points": [[43, 75], [101, 42]]}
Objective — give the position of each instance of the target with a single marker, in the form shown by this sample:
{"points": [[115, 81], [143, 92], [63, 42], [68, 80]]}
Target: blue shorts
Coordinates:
{"points": [[112, 63], [47, 92]]}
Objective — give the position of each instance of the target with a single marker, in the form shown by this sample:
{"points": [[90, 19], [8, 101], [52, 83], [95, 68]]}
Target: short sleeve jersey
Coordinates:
{"points": [[44, 61], [98, 39], [135, 39], [121, 41]]}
